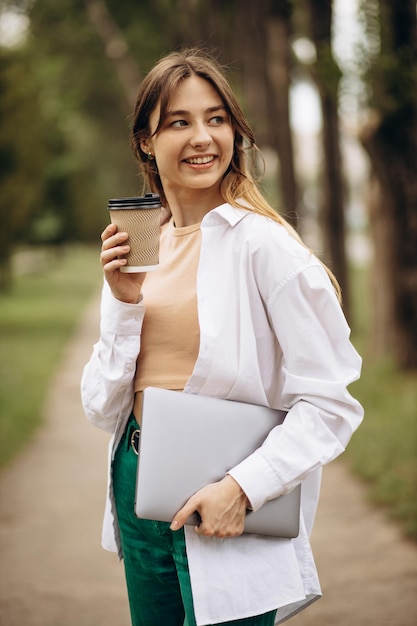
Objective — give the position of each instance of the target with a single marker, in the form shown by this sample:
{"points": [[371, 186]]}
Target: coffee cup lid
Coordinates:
{"points": [[148, 201]]}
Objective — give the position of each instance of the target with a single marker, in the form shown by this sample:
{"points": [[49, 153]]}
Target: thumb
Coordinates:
{"points": [[189, 508]]}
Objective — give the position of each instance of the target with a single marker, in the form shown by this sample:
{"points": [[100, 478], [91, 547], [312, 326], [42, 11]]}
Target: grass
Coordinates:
{"points": [[383, 452], [36, 320]]}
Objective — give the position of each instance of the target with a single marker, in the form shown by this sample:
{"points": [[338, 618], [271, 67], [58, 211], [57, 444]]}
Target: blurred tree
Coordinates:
{"points": [[22, 154], [87, 116], [390, 137], [64, 131], [326, 74], [278, 24], [116, 48], [266, 61]]}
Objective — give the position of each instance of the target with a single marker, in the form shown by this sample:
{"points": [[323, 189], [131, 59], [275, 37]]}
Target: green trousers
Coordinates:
{"points": [[155, 559]]}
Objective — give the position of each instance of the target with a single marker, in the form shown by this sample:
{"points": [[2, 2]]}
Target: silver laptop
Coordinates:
{"points": [[188, 441]]}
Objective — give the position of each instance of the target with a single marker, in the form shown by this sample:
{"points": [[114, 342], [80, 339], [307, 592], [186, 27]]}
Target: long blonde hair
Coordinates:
{"points": [[239, 187]]}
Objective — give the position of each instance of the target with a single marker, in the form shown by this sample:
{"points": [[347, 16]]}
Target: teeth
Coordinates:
{"points": [[201, 160]]}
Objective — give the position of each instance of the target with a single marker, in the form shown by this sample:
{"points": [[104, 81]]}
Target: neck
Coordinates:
{"points": [[190, 207]]}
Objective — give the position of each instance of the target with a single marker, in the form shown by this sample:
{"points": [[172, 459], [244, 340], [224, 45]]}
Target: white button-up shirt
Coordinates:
{"points": [[271, 333]]}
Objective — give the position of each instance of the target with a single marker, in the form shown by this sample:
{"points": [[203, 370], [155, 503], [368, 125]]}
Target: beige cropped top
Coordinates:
{"points": [[170, 337]]}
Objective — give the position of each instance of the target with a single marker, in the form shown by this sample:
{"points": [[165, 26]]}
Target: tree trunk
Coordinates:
{"points": [[381, 336], [326, 75], [333, 214], [251, 20], [278, 33], [264, 26], [116, 49], [395, 237], [391, 142]]}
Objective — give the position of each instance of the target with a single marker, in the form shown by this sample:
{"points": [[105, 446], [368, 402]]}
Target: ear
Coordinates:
{"points": [[145, 146]]}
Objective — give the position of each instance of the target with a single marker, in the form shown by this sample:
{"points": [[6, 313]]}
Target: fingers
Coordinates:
{"points": [[113, 249], [230, 529], [110, 230], [222, 514], [183, 514], [125, 287]]}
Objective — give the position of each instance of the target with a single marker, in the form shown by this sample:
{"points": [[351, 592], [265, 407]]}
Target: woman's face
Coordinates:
{"points": [[194, 146]]}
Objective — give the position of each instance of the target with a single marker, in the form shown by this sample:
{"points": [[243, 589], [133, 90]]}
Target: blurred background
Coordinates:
{"points": [[331, 91]]}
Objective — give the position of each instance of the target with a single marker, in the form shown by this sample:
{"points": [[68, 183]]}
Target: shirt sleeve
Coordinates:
{"points": [[319, 362], [107, 383]]}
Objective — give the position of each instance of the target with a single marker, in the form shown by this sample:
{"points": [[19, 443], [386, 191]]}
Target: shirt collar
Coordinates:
{"points": [[224, 213]]}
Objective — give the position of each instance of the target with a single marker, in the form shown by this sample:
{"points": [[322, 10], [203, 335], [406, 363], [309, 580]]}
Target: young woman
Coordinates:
{"points": [[240, 309]]}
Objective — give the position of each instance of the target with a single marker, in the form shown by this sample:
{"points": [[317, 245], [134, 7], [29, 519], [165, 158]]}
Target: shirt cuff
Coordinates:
{"points": [[257, 479], [118, 317]]}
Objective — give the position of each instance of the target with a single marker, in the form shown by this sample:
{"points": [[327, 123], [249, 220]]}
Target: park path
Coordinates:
{"points": [[54, 573]]}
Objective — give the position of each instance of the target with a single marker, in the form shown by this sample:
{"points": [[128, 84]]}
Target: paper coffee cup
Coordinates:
{"points": [[140, 218]]}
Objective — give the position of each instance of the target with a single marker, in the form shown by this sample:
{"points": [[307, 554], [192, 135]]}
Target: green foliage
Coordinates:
{"points": [[64, 119], [36, 320], [389, 59], [86, 116], [148, 26], [22, 152], [64, 129], [383, 452]]}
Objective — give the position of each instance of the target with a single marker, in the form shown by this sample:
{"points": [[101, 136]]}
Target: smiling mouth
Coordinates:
{"points": [[200, 160]]}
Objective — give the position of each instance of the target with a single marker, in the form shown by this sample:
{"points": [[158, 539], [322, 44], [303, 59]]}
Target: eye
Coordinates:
{"points": [[217, 120], [179, 124]]}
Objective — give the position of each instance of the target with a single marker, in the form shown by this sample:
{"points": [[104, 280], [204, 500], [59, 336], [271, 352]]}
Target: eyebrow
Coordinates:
{"points": [[219, 107]]}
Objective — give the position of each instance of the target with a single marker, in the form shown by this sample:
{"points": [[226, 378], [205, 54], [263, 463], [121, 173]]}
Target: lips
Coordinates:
{"points": [[203, 160]]}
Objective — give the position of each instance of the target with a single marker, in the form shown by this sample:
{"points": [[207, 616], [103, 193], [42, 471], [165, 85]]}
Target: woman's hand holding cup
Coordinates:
{"points": [[131, 244], [125, 286]]}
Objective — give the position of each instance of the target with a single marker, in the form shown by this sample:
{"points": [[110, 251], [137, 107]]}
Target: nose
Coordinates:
{"points": [[201, 136]]}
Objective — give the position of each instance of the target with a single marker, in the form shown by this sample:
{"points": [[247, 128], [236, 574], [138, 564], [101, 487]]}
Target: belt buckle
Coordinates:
{"points": [[134, 441]]}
